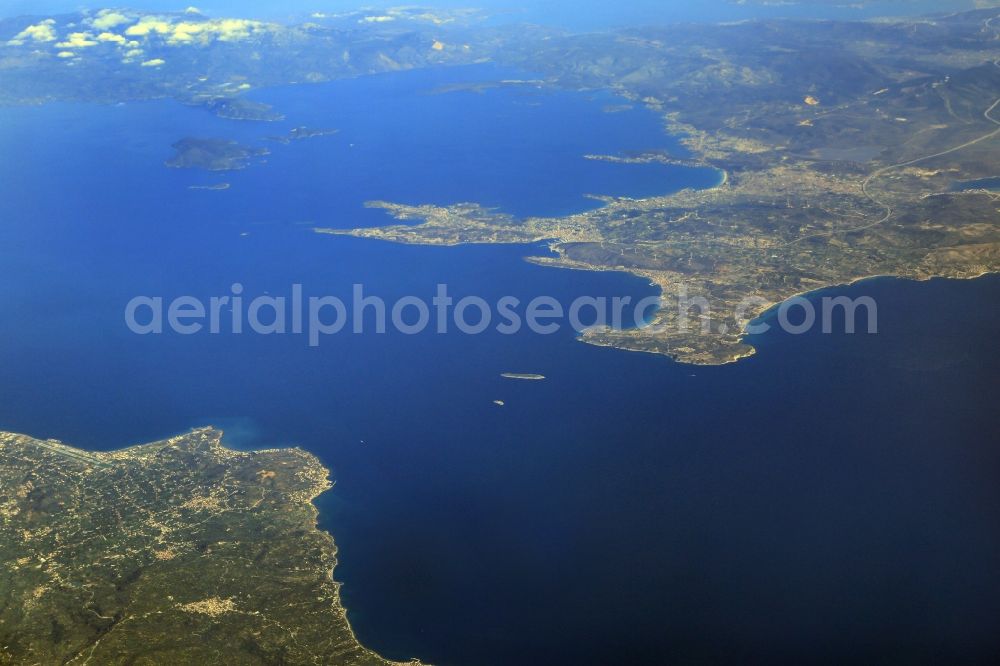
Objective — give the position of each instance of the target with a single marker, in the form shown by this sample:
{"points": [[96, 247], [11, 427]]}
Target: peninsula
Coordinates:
{"points": [[838, 143]]}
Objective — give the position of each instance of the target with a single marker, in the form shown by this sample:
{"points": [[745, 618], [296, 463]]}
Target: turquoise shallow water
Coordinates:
{"points": [[834, 495]]}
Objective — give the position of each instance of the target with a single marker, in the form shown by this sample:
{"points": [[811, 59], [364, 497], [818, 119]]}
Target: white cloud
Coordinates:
{"points": [[149, 25], [155, 62], [40, 32], [231, 30], [107, 19], [65, 54], [187, 32], [77, 40], [111, 38], [224, 30]]}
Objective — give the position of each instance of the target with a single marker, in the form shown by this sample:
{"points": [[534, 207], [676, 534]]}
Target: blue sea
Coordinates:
{"points": [[834, 497]]}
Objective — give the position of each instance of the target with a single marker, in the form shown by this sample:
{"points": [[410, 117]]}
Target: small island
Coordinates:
{"points": [[301, 133], [213, 155]]}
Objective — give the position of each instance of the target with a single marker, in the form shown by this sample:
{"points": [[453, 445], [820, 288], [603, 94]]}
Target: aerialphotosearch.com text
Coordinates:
{"points": [[319, 317]]}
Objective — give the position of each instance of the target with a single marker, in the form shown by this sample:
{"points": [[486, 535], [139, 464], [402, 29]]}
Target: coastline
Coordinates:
{"points": [[591, 336], [303, 479], [811, 293]]}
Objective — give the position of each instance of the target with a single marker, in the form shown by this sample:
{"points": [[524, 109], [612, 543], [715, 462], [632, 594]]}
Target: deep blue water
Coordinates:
{"points": [[832, 497]]}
